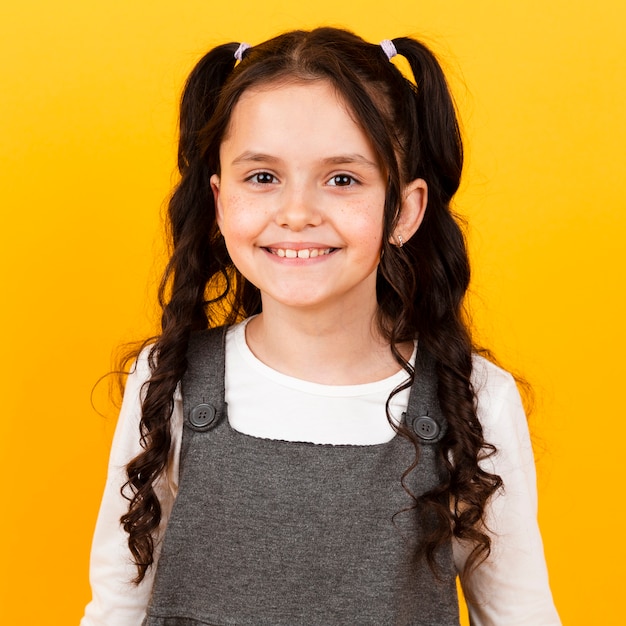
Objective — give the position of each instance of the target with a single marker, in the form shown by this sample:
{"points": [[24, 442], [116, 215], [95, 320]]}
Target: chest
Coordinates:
{"points": [[274, 532]]}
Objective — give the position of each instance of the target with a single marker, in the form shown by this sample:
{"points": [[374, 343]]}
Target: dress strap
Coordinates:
{"points": [[203, 382], [424, 413]]}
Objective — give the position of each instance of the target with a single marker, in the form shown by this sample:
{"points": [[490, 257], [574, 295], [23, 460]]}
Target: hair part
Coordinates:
{"points": [[420, 287]]}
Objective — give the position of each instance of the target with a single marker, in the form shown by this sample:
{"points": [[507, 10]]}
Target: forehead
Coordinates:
{"points": [[294, 117]]}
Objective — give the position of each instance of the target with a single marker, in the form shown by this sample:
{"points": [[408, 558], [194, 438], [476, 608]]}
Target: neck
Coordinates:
{"points": [[330, 348]]}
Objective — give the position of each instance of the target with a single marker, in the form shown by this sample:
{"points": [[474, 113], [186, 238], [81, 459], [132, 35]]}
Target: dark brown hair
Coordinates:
{"points": [[420, 286]]}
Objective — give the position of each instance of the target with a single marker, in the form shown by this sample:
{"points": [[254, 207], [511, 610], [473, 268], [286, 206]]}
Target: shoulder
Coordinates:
{"points": [[139, 376], [142, 367], [498, 401], [487, 377]]}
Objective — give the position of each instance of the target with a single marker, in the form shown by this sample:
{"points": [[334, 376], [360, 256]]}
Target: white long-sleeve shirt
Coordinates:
{"points": [[509, 589]]}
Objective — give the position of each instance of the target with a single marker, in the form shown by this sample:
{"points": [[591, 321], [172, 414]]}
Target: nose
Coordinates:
{"points": [[298, 208]]}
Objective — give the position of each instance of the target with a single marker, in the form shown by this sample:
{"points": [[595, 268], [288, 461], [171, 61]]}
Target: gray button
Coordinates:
{"points": [[202, 416], [426, 427]]}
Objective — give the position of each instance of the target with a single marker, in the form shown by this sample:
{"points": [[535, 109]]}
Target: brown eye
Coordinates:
{"points": [[263, 178], [341, 180]]}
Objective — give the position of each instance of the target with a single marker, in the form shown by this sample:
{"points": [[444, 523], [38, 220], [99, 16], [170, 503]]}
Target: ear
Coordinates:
{"points": [[215, 188], [412, 209]]}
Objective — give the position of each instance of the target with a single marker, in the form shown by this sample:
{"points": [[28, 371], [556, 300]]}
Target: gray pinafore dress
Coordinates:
{"points": [[275, 533]]}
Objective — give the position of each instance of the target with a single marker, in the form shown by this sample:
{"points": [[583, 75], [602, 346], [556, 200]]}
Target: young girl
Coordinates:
{"points": [[312, 438]]}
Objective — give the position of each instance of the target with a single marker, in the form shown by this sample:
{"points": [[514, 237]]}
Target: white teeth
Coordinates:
{"points": [[304, 253]]}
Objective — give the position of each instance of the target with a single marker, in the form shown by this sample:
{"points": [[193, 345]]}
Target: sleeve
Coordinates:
{"points": [[511, 587], [115, 600]]}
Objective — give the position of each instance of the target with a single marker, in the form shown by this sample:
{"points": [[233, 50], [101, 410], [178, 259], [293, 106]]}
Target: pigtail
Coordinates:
{"points": [[437, 256], [196, 261], [199, 99], [439, 136]]}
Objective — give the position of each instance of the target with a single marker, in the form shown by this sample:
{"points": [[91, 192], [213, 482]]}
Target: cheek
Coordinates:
{"points": [[364, 222], [241, 224], [236, 214]]}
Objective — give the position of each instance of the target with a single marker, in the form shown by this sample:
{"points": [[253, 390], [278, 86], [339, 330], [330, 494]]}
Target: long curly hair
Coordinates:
{"points": [[420, 286]]}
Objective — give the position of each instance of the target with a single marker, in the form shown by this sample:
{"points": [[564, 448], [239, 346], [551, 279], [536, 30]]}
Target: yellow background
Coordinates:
{"points": [[87, 111]]}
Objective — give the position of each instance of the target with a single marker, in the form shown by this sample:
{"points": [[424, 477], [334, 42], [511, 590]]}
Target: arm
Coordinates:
{"points": [[511, 587], [115, 600]]}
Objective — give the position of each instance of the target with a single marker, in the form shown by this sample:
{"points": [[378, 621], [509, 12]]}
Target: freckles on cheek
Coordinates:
{"points": [[241, 223], [232, 207], [366, 222]]}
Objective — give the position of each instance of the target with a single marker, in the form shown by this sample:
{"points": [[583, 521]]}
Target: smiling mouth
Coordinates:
{"points": [[304, 253]]}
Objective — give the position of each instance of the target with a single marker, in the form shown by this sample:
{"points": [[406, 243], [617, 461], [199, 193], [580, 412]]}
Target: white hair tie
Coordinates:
{"points": [[388, 48], [242, 50]]}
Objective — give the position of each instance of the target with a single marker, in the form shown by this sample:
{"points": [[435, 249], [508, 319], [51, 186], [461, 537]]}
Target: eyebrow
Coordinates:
{"points": [[349, 158], [254, 157], [340, 159]]}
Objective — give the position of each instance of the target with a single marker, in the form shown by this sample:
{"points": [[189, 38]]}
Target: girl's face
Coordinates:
{"points": [[300, 198]]}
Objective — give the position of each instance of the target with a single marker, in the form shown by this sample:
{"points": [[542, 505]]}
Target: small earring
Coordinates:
{"points": [[400, 242]]}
